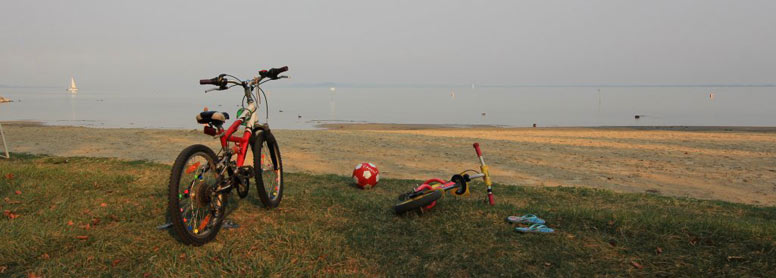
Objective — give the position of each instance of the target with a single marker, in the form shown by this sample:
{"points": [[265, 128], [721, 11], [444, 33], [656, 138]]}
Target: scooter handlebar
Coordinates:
{"points": [[477, 149]]}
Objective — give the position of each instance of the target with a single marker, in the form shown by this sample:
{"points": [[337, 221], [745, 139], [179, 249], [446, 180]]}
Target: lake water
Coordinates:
{"points": [[304, 108]]}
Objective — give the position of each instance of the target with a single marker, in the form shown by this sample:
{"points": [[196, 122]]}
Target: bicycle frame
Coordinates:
{"points": [[228, 135], [241, 142]]}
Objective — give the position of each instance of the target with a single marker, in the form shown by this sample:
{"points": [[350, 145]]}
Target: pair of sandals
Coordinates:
{"points": [[537, 224]]}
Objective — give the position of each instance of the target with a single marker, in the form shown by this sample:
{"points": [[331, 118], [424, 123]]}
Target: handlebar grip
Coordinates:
{"points": [[206, 82], [273, 72], [281, 70], [477, 149]]}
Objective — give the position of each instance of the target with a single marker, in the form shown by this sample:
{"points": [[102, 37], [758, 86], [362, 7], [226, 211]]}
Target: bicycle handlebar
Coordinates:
{"points": [[221, 82]]}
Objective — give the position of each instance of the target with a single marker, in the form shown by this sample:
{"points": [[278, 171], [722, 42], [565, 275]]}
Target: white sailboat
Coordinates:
{"points": [[73, 89]]}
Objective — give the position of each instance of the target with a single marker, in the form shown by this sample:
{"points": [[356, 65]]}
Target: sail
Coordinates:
{"points": [[73, 88]]}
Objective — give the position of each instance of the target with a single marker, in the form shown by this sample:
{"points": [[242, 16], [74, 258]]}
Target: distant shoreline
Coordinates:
{"points": [[354, 85], [389, 126], [468, 85], [397, 126], [478, 85]]}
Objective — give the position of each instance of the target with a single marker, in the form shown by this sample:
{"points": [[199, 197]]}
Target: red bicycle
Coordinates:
{"points": [[201, 180]]}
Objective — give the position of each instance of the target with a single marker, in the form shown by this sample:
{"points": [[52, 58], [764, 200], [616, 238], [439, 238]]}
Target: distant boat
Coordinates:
{"points": [[73, 89]]}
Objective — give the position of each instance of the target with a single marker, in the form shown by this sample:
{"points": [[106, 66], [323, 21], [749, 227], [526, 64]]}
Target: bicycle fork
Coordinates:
{"points": [[484, 170]]}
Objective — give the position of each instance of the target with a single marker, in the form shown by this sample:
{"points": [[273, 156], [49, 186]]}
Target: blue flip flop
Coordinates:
{"points": [[525, 219], [535, 228]]}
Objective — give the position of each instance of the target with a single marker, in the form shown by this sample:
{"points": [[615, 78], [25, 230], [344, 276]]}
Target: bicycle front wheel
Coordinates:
{"points": [[268, 167]]}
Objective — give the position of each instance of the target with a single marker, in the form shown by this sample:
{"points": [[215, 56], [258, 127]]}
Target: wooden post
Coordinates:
{"points": [[5, 146]]}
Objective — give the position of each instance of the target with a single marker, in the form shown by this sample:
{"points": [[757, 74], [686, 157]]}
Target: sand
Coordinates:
{"points": [[730, 164]]}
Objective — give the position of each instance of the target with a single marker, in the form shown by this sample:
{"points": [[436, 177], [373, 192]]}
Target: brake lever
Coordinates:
{"points": [[210, 90]]}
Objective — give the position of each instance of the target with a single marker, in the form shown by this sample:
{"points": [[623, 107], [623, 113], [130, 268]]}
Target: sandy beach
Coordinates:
{"points": [[730, 164]]}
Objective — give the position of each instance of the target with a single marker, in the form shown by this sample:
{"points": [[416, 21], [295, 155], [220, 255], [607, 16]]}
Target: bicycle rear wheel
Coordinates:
{"points": [[195, 208], [418, 202], [268, 167]]}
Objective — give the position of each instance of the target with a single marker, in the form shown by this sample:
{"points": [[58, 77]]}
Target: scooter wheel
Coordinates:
{"points": [[418, 202]]}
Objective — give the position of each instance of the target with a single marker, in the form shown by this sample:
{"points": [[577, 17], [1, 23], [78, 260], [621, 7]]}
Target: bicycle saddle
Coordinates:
{"points": [[212, 117]]}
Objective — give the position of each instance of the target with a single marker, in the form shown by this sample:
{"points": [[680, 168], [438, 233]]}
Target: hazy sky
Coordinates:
{"points": [[168, 44]]}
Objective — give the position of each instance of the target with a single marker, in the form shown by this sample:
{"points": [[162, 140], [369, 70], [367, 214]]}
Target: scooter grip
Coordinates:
{"points": [[477, 149], [490, 199]]}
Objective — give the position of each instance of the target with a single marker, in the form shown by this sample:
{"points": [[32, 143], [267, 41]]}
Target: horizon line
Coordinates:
{"points": [[475, 85]]}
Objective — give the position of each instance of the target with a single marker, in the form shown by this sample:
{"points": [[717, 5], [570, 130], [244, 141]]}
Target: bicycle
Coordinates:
{"points": [[425, 196], [201, 180]]}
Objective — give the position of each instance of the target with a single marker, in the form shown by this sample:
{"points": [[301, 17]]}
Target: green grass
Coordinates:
{"points": [[327, 227]]}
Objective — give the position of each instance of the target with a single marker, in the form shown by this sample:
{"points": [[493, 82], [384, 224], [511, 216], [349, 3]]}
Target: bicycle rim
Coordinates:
{"points": [[198, 205], [271, 175]]}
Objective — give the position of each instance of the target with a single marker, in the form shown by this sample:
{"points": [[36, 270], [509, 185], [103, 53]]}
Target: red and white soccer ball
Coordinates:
{"points": [[366, 175]]}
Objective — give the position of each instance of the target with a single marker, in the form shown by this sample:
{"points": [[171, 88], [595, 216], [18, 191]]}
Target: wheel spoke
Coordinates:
{"points": [[198, 177]]}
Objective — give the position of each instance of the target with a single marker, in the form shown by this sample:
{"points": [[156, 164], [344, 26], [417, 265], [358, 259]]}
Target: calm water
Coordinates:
{"points": [[304, 108]]}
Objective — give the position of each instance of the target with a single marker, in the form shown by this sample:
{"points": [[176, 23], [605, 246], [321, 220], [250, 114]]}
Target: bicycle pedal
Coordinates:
{"points": [[245, 172]]}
